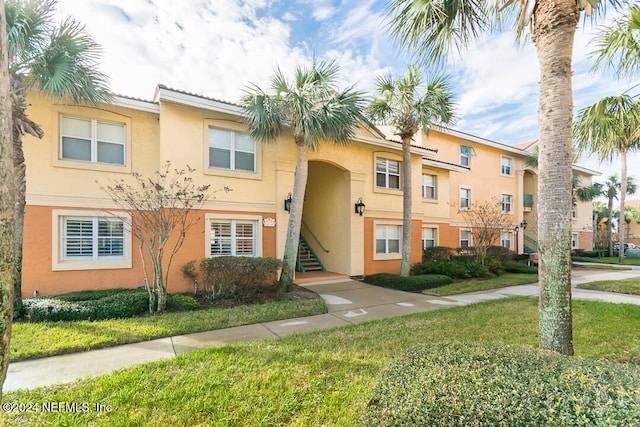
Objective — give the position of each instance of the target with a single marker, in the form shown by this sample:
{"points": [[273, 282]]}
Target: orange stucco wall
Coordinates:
{"points": [[37, 258], [372, 266]]}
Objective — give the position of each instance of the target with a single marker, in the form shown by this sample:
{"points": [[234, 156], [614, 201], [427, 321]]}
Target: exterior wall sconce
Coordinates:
{"points": [[524, 224], [359, 207], [287, 203]]}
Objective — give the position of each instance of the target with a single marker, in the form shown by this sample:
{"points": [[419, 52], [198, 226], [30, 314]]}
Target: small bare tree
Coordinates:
{"points": [[486, 221], [160, 209]]}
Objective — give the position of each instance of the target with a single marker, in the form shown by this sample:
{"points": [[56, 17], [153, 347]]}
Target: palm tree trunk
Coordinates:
{"points": [[295, 216], [610, 227], [556, 22], [7, 212], [623, 195], [20, 180], [406, 207]]}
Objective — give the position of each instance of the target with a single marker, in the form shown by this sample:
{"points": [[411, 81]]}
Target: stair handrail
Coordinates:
{"points": [[314, 237]]}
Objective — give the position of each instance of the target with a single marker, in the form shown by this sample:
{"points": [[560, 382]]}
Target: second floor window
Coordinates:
{"points": [[388, 173], [574, 212], [231, 150], [505, 165], [507, 203], [465, 198], [465, 155], [429, 187], [92, 140]]}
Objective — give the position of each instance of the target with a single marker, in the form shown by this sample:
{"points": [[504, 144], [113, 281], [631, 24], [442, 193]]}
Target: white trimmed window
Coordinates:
{"points": [[388, 239], [505, 165], [429, 237], [505, 239], [507, 203], [429, 188], [231, 150], [465, 198], [233, 237], [574, 212], [387, 173], [92, 140], [86, 238], [574, 240], [465, 238], [465, 155]]}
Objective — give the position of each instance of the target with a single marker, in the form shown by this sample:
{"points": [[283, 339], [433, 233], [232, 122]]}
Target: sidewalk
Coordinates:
{"points": [[348, 302]]}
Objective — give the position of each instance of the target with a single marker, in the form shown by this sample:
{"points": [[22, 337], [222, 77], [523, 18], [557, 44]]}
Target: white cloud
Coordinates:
{"points": [[322, 13]]}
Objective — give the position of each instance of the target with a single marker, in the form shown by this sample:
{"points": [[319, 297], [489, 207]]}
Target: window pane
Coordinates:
{"points": [[394, 181], [245, 143], [244, 161], [380, 246], [394, 167], [79, 128], [219, 158], [78, 238], [219, 138], [394, 246], [110, 132], [464, 161], [110, 153], [380, 180], [381, 165], [76, 149]]}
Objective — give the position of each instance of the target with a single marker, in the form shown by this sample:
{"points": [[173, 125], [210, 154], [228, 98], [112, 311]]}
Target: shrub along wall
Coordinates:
{"points": [[483, 384], [238, 277], [410, 283]]}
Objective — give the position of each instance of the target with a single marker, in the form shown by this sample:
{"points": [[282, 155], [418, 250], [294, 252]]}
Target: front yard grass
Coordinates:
{"points": [[318, 378], [608, 260], [602, 267], [42, 339], [631, 287], [508, 279]]}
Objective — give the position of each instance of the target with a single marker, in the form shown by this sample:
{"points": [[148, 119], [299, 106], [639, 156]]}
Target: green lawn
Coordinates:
{"points": [[597, 266], [509, 279], [32, 340], [620, 286], [318, 378], [607, 260]]}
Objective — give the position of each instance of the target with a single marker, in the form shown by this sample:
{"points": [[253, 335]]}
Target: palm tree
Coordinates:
{"points": [[60, 61], [617, 46], [314, 110], [432, 28], [406, 105], [599, 211], [7, 198], [631, 213], [609, 128], [612, 187]]}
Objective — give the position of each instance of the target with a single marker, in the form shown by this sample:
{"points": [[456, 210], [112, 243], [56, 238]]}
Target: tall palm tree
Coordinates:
{"points": [[58, 60], [408, 106], [314, 110], [631, 213], [609, 128], [7, 197], [432, 28], [599, 211], [612, 187], [617, 46]]}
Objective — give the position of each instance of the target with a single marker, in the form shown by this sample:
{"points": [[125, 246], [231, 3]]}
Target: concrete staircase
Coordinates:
{"points": [[307, 259]]}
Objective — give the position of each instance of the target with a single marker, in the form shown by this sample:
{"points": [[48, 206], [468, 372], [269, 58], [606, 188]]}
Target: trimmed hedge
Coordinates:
{"points": [[238, 277], [437, 253], [410, 283], [484, 384], [459, 267], [519, 268], [99, 305]]}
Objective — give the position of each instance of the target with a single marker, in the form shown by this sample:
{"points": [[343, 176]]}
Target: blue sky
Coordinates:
{"points": [[217, 47]]}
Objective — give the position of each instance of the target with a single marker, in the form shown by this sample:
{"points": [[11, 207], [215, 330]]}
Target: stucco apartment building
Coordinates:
{"points": [[73, 241]]}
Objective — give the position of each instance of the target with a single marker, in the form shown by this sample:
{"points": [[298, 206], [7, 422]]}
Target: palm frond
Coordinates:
{"points": [[617, 46], [29, 24]]}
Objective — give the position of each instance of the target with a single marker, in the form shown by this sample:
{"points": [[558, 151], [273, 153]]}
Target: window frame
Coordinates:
{"points": [[256, 220], [93, 141], [509, 239], [61, 262], [468, 198], [434, 187], [469, 240], [387, 174], [575, 242], [509, 203], [574, 212], [97, 116], [466, 155], [387, 255], [434, 238], [509, 166], [232, 151]]}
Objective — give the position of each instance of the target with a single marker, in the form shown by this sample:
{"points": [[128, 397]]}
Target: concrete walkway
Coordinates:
{"points": [[348, 301]]}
